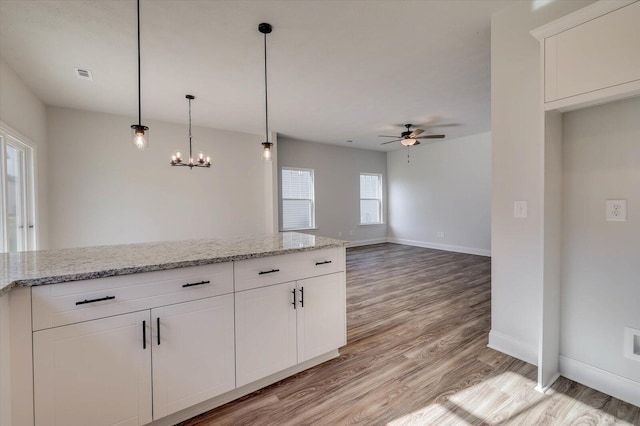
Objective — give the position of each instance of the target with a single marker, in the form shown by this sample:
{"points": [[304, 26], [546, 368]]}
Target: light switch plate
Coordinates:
{"points": [[616, 210], [520, 209]]}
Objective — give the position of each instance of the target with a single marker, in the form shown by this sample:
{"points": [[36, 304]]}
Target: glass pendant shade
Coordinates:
{"points": [[408, 142], [266, 152], [140, 136]]}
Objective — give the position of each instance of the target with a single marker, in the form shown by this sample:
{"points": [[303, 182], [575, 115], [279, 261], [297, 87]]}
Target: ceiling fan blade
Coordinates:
{"points": [[417, 143], [384, 143], [431, 137], [416, 132], [388, 136]]}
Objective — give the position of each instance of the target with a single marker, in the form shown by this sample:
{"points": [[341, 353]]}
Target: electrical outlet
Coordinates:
{"points": [[351, 232], [616, 210], [440, 234], [632, 343], [339, 233], [520, 209]]}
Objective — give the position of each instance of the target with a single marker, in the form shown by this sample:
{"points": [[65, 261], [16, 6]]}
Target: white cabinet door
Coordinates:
{"points": [[601, 53], [193, 353], [321, 315], [265, 332], [94, 373]]}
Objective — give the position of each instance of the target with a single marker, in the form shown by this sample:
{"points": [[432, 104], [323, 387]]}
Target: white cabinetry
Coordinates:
{"points": [[193, 353], [99, 372], [592, 55], [265, 332], [321, 315], [153, 347], [94, 373], [279, 325]]}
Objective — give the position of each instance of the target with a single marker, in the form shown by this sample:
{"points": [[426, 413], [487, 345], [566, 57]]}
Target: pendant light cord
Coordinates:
{"points": [[266, 95], [190, 152], [139, 91]]}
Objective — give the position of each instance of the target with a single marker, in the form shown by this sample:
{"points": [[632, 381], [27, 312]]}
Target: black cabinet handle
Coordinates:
{"points": [[323, 263], [192, 284], [158, 321], [102, 299], [144, 335], [268, 272], [302, 297], [294, 298]]}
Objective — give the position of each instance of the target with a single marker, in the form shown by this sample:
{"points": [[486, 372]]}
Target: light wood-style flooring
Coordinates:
{"points": [[418, 323]]}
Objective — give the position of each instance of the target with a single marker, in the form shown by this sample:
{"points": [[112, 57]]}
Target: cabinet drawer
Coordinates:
{"points": [[264, 271], [60, 304]]}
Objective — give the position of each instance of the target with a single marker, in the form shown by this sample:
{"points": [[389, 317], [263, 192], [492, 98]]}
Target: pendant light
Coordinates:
{"points": [[265, 29], [176, 159], [140, 140]]}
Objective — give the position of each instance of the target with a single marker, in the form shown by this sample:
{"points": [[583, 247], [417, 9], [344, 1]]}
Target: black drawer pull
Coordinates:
{"points": [[144, 335], [158, 331], [323, 263], [294, 298], [102, 299], [192, 284], [302, 297], [268, 272]]}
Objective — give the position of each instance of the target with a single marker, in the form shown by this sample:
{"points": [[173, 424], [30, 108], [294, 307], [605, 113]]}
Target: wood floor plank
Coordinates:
{"points": [[417, 323]]}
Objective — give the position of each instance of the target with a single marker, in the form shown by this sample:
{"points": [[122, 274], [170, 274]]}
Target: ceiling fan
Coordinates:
{"points": [[410, 137]]}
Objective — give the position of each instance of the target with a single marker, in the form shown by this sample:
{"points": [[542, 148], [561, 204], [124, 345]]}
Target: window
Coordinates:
{"points": [[370, 199], [16, 195], [298, 210]]}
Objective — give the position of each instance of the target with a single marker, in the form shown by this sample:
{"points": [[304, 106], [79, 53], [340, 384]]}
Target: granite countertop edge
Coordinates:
{"points": [[127, 270]]}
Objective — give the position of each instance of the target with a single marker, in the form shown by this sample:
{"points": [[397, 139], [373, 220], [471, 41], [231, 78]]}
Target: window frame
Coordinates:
{"points": [[10, 137], [380, 199], [312, 200]]}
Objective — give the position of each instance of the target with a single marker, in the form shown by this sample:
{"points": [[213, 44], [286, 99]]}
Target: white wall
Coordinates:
{"points": [[21, 110], [600, 259], [517, 175], [104, 191], [446, 187], [337, 186]]}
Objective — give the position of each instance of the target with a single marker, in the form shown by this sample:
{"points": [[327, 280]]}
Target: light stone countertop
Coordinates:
{"points": [[24, 269]]}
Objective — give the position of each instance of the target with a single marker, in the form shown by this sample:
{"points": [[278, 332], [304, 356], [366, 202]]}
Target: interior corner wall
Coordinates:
{"points": [[600, 290], [517, 138], [22, 111], [444, 187], [337, 186], [104, 191]]}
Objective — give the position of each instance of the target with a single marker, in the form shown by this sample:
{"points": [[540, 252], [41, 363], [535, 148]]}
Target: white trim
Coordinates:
{"points": [[544, 389], [513, 347], [437, 246], [579, 17], [596, 97], [366, 242], [601, 380]]}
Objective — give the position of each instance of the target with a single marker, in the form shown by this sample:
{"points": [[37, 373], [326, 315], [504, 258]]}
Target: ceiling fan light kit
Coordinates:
{"points": [[140, 133], [201, 161]]}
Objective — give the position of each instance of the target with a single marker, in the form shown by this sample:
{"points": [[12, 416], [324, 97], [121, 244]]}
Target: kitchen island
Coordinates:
{"points": [[160, 332]]}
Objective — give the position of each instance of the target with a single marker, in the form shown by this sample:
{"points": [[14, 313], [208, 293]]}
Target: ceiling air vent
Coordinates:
{"points": [[83, 74]]}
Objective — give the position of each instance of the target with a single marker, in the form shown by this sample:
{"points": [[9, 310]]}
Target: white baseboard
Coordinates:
{"points": [[513, 347], [617, 386], [438, 246], [367, 242]]}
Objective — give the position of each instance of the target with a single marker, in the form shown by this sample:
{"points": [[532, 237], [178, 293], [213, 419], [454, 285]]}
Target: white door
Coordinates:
{"points": [[321, 315], [94, 373], [193, 353], [17, 220], [265, 331]]}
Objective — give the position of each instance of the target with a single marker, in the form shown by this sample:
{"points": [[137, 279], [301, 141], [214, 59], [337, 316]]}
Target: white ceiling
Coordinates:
{"points": [[338, 70]]}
